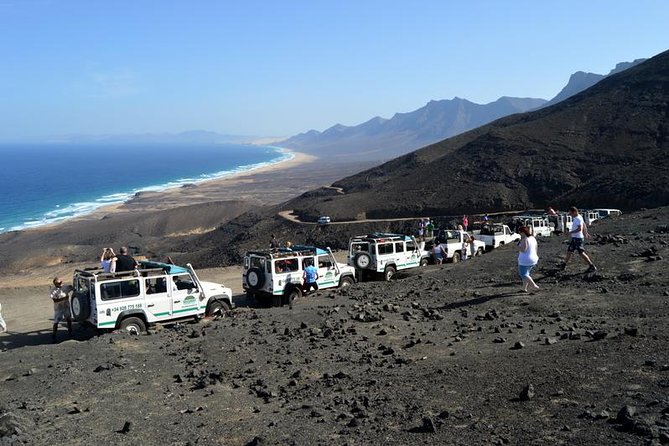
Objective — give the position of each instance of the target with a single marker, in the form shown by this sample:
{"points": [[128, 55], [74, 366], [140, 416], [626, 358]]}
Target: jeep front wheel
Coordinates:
{"points": [[456, 257], [219, 307], [133, 325], [389, 273], [424, 262], [346, 282], [479, 252]]}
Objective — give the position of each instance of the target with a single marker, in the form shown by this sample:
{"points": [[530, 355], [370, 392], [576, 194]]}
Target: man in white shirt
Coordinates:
{"points": [[578, 232]]}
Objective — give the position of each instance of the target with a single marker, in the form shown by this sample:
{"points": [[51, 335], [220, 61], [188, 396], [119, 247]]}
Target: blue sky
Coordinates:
{"points": [[271, 68]]}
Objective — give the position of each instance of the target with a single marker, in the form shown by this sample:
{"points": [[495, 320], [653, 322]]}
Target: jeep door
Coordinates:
{"points": [[327, 274], [185, 294], [157, 299], [286, 271]]}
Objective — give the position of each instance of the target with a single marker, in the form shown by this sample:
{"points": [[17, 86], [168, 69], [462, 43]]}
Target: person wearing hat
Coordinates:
{"points": [[61, 306]]}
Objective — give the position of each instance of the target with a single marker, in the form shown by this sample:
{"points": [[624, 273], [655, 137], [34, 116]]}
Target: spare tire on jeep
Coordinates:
{"points": [[255, 278], [362, 260], [80, 307]]}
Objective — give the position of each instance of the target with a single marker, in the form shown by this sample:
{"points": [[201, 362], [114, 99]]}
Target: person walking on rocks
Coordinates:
{"points": [[528, 257], [578, 232], [61, 306]]}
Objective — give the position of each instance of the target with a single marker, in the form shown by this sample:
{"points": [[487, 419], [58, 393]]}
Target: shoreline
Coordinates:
{"points": [[147, 200]]}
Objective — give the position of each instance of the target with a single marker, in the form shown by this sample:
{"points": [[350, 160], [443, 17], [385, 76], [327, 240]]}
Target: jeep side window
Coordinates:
{"points": [[384, 248], [258, 262], [156, 285], [399, 246], [325, 262], [291, 265], [120, 290], [183, 282]]}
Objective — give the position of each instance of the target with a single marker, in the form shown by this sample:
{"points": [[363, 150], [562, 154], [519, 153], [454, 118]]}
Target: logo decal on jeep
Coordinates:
{"points": [[189, 300]]}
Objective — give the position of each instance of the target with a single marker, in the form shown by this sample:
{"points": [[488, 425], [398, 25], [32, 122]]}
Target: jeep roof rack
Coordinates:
{"points": [[376, 236], [295, 251]]}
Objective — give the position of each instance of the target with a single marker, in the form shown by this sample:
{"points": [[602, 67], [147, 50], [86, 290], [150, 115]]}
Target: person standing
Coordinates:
{"points": [[124, 261], [108, 260], [578, 232], [465, 222], [61, 306], [466, 240], [437, 253], [528, 257], [274, 243], [429, 228], [310, 277]]}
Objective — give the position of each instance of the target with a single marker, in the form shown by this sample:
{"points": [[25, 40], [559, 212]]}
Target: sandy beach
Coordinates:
{"points": [[156, 224]]}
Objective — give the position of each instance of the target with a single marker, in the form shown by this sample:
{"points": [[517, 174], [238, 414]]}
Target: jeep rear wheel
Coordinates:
{"points": [[133, 325], [424, 262], [456, 257], [479, 252], [389, 273]]}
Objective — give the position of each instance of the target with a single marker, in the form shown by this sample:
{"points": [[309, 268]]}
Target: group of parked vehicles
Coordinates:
{"points": [[160, 292]]}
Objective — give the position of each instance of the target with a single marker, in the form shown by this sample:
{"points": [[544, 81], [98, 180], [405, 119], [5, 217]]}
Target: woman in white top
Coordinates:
{"points": [[527, 257], [108, 260]]}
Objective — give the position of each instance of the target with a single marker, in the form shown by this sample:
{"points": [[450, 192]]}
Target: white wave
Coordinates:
{"points": [[74, 210]]}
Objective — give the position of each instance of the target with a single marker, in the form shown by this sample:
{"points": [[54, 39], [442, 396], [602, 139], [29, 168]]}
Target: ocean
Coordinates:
{"points": [[48, 183]]}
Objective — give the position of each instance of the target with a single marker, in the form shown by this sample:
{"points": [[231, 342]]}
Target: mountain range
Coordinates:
{"points": [[383, 139], [607, 146]]}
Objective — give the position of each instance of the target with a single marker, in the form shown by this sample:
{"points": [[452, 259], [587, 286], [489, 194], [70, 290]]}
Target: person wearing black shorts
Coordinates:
{"points": [[578, 233], [310, 277]]}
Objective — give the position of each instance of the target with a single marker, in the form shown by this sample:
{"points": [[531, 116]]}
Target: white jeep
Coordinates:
{"points": [[154, 292], [496, 235], [385, 254], [277, 273], [451, 242], [540, 226]]}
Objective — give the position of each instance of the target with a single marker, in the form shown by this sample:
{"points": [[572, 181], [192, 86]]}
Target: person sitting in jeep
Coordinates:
{"points": [[124, 261], [310, 277]]}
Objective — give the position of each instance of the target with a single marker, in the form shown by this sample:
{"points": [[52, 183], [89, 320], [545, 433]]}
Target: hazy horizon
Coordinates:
{"points": [[254, 69]]}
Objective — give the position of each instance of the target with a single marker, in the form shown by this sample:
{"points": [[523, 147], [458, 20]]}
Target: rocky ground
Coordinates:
{"points": [[450, 354]]}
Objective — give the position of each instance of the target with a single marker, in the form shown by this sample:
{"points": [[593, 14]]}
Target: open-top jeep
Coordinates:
{"points": [[154, 292], [385, 254], [276, 274]]}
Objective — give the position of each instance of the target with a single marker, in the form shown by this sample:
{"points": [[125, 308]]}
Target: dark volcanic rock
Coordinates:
{"points": [[527, 393], [427, 427]]}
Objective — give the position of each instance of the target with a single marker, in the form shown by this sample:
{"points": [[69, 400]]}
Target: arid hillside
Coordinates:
{"points": [[605, 147]]}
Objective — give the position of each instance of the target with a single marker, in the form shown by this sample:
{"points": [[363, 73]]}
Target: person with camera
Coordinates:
{"points": [[60, 296]]}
